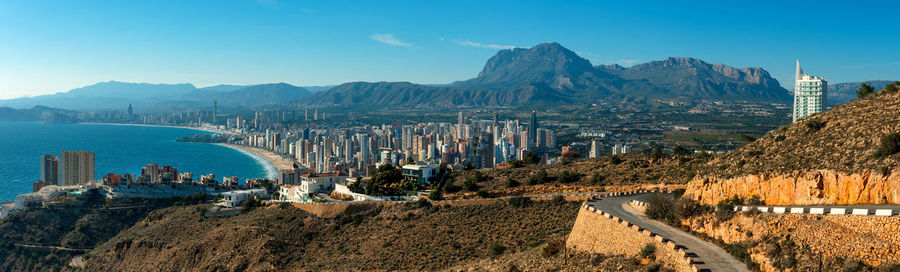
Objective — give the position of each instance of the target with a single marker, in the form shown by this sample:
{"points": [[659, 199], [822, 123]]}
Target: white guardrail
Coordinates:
{"points": [[822, 210]]}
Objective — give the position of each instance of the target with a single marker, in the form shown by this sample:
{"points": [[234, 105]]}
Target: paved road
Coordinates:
{"points": [[713, 257], [55, 247]]}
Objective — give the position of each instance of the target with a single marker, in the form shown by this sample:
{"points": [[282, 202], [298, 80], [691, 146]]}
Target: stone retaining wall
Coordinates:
{"points": [[598, 232]]}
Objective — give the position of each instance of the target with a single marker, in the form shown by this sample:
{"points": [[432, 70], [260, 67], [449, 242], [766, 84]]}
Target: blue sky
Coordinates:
{"points": [[52, 46]]}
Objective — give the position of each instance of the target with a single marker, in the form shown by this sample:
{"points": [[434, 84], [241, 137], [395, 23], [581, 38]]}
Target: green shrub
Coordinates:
{"points": [[516, 163], [780, 138], [864, 91], [597, 179], [813, 126], [568, 177], [660, 207], [496, 249], [470, 185], [511, 183], [552, 248], [539, 178], [755, 201], [558, 200], [890, 145], [893, 87], [519, 202], [648, 251], [615, 159], [483, 194], [724, 210], [686, 208]]}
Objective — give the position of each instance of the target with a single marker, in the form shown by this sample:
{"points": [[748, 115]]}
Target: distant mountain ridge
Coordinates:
{"points": [[841, 93], [551, 74], [118, 95]]}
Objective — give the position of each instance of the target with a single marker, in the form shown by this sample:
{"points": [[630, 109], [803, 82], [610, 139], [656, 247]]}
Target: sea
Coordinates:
{"points": [[118, 149]]}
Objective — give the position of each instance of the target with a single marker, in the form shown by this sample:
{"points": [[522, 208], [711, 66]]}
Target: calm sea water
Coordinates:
{"points": [[119, 149]]}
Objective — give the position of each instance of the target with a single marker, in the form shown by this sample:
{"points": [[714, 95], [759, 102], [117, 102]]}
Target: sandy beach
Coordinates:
{"points": [[278, 161], [145, 125]]}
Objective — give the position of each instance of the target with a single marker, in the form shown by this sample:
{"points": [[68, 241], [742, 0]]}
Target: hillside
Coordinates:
{"points": [[394, 237], [248, 96], [843, 156], [550, 74], [36, 113]]}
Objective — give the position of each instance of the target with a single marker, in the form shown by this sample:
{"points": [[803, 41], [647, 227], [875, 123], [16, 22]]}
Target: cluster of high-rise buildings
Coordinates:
{"points": [[358, 150], [71, 168]]}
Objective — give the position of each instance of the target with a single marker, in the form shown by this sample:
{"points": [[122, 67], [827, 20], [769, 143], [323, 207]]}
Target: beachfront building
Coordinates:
{"points": [[76, 168], [810, 93]]}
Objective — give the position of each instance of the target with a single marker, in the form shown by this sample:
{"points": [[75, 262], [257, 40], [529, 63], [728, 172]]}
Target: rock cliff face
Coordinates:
{"points": [[810, 188]]}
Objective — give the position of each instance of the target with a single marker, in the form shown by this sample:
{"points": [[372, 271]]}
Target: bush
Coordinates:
{"points": [[558, 200], [686, 208], [747, 138], [496, 249], [516, 163], [539, 178], [615, 159], [864, 91], [483, 194], [470, 185], [814, 125], [678, 193], [724, 210], [436, 195], [755, 201], [659, 207], [568, 177], [552, 248], [519, 202], [648, 251], [597, 179], [893, 87], [890, 145], [511, 183], [780, 138]]}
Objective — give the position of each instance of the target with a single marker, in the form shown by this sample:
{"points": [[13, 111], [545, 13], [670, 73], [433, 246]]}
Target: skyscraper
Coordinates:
{"points": [[130, 112], [50, 169], [459, 128], [532, 131], [215, 108], [810, 94], [76, 167]]}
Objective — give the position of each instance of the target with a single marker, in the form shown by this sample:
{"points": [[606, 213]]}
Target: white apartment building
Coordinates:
{"points": [[810, 93]]}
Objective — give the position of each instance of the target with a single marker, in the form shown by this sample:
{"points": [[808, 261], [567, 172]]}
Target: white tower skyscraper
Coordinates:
{"points": [[810, 93]]}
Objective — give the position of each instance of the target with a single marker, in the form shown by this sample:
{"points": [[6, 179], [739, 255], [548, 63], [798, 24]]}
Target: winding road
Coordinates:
{"points": [[712, 257]]}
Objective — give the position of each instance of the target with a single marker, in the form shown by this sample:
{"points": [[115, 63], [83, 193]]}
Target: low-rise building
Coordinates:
{"points": [[421, 174], [320, 182], [236, 198]]}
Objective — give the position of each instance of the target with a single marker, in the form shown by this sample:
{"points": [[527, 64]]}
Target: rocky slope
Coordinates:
{"points": [[809, 242], [841, 93], [842, 156]]}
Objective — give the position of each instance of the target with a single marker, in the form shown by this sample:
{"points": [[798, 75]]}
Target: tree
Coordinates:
{"points": [[538, 178], [567, 177], [864, 91], [680, 151], [658, 153], [531, 158], [515, 163], [571, 155], [893, 87], [597, 179]]}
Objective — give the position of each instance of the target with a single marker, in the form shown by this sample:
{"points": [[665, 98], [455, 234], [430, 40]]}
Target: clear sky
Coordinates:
{"points": [[52, 46]]}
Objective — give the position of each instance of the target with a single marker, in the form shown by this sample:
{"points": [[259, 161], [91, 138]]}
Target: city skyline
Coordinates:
{"points": [[331, 43]]}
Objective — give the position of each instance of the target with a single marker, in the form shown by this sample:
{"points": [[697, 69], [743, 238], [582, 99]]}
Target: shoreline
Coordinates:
{"points": [[166, 126], [275, 162]]}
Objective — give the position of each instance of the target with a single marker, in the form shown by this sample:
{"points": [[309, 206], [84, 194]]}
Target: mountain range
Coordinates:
{"points": [[117, 95], [546, 74], [551, 74], [841, 93]]}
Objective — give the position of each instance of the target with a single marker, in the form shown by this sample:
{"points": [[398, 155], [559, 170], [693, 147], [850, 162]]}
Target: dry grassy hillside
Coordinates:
{"points": [[846, 138], [397, 237], [610, 173]]}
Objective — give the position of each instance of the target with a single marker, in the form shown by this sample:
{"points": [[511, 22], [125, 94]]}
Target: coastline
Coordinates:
{"points": [[271, 162], [146, 125]]}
